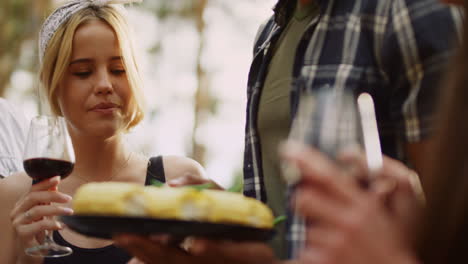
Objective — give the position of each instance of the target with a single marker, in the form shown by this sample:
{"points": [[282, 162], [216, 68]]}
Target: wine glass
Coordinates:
{"points": [[329, 120], [48, 153]]}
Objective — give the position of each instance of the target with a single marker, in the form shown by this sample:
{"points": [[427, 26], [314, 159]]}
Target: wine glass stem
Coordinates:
{"points": [[49, 238]]}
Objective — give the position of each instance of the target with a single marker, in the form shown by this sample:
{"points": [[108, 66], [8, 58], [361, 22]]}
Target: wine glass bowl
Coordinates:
{"points": [[334, 122], [328, 120], [44, 168], [48, 153], [48, 150]]}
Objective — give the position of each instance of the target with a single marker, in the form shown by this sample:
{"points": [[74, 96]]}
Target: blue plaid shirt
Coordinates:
{"points": [[395, 50]]}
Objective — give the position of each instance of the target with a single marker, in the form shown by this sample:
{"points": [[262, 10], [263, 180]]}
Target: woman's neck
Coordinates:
{"points": [[99, 159]]}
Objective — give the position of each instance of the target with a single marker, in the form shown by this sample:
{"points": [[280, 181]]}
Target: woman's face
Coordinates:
{"points": [[94, 93]]}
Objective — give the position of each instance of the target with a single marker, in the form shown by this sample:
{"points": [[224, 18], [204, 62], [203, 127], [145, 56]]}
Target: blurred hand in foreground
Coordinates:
{"points": [[201, 251], [352, 224]]}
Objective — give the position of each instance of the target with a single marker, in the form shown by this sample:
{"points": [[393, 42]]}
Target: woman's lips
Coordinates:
{"points": [[105, 108]]}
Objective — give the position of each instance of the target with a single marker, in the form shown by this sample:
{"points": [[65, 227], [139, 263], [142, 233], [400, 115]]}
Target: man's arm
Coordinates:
{"points": [[415, 54]]}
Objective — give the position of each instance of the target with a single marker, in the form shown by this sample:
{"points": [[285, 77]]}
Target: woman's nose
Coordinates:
{"points": [[104, 84]]}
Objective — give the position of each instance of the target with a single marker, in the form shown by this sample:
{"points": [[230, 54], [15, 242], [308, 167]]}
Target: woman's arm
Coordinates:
{"points": [[23, 211], [11, 189]]}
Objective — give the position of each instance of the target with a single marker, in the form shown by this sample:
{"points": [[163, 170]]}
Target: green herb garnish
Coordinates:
{"points": [[201, 187], [198, 187], [157, 183], [278, 220]]}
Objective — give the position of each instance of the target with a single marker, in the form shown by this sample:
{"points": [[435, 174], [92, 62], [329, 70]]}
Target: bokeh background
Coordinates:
{"points": [[195, 56]]}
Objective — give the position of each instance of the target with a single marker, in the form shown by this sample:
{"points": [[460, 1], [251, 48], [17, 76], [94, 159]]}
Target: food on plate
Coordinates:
{"points": [[182, 203], [110, 198], [176, 203], [228, 207]]}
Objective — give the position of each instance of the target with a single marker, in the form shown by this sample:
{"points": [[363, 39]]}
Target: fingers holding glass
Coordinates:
{"points": [[48, 153], [37, 213], [31, 225], [38, 197], [32, 215]]}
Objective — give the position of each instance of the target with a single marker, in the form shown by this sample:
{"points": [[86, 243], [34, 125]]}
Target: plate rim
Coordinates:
{"points": [[267, 233]]}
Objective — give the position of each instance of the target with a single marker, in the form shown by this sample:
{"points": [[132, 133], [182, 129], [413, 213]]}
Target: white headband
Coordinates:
{"points": [[63, 13]]}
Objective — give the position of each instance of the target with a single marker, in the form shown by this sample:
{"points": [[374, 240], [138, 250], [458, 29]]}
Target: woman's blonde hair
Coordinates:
{"points": [[58, 53]]}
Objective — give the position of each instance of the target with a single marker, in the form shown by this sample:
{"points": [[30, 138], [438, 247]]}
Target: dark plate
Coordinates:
{"points": [[107, 226]]}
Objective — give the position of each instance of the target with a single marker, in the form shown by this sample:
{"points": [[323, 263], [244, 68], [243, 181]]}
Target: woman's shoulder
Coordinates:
{"points": [[178, 166]]}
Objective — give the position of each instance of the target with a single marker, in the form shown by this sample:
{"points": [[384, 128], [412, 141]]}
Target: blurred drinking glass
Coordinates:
{"points": [[329, 120]]}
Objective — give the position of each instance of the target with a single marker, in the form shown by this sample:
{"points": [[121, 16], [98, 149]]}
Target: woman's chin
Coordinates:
{"points": [[106, 130]]}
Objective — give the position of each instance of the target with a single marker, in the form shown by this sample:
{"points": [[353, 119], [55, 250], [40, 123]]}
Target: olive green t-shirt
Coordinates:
{"points": [[274, 114]]}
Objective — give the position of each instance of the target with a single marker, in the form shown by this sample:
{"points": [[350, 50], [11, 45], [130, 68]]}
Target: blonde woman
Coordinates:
{"points": [[91, 78]]}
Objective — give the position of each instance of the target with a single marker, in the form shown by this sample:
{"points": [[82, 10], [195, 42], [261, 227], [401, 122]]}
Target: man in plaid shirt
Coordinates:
{"points": [[395, 50]]}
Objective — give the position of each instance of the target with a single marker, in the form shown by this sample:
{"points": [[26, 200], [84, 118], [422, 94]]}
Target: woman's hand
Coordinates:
{"points": [[190, 179], [183, 171], [31, 216], [349, 223]]}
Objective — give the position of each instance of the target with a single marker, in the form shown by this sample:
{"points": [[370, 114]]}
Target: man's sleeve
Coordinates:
{"points": [[13, 129], [420, 38]]}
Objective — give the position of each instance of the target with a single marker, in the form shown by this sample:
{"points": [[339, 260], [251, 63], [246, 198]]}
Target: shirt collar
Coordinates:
{"points": [[284, 10]]}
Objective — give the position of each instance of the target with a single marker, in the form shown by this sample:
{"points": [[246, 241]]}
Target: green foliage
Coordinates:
{"points": [[165, 9], [19, 24], [238, 184], [156, 48]]}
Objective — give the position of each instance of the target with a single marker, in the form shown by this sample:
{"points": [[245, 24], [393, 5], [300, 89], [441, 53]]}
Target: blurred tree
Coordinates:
{"points": [[194, 12], [19, 22], [204, 102], [203, 97]]}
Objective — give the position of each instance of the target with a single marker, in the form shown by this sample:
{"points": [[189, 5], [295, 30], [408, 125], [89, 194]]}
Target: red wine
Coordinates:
{"points": [[43, 168]]}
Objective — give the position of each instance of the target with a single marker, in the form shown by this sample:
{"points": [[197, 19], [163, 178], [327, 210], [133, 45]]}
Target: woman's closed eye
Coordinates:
{"points": [[118, 71], [82, 74]]}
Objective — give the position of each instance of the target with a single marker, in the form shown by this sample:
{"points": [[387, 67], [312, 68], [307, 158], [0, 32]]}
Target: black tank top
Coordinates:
{"points": [[111, 253]]}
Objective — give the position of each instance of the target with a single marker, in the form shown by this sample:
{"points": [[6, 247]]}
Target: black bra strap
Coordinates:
{"points": [[155, 170]]}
